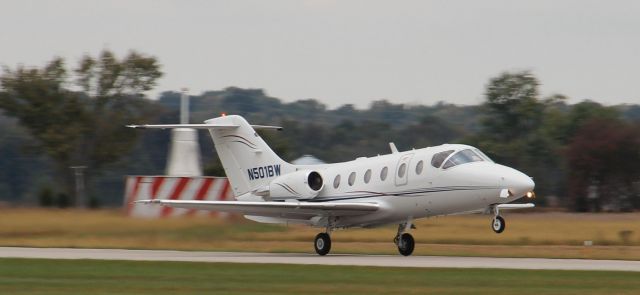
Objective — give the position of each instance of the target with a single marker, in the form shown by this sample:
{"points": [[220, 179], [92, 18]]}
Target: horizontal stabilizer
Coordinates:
{"points": [[257, 127], [199, 126], [192, 126], [272, 208]]}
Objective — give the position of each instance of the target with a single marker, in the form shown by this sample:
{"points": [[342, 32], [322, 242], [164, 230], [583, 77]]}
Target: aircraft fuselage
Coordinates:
{"points": [[413, 187]]}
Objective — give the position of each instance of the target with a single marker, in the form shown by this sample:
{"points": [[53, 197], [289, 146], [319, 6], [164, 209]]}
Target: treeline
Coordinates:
{"points": [[583, 156]]}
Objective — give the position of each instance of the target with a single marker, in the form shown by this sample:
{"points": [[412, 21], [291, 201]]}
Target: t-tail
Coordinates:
{"points": [[248, 161]]}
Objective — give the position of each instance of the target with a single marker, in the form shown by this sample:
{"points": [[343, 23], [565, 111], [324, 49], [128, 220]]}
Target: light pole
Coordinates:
{"points": [[79, 198], [184, 106], [184, 154]]}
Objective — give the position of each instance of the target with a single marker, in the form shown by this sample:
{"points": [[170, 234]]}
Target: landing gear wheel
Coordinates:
{"points": [[322, 244], [498, 224], [406, 244]]}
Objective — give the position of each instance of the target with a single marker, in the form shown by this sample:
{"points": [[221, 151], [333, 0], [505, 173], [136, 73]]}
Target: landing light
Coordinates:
{"points": [[530, 195]]}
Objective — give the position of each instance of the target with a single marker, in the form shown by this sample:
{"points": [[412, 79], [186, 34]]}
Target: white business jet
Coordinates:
{"points": [[396, 188]]}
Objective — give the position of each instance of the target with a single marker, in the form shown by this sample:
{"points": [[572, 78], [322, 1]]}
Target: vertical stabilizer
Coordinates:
{"points": [[247, 159]]}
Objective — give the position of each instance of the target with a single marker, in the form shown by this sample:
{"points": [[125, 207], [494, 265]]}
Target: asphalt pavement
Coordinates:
{"points": [[335, 259]]}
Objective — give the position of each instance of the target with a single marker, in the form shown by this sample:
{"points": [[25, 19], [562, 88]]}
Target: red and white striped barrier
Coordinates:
{"points": [[173, 188]]}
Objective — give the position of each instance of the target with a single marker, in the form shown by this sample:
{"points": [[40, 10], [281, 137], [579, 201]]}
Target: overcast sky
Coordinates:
{"points": [[346, 51]]}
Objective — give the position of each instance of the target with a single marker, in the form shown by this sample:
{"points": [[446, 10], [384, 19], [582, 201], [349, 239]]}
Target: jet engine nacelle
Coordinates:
{"points": [[303, 184]]}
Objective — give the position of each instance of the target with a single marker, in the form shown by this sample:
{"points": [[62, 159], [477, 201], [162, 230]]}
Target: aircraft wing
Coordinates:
{"points": [[273, 209], [515, 206]]}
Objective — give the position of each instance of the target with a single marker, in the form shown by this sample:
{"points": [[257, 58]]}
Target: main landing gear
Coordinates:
{"points": [[322, 244], [404, 240]]}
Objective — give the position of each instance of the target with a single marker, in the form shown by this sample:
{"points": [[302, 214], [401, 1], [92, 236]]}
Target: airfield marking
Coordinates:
{"points": [[336, 259]]}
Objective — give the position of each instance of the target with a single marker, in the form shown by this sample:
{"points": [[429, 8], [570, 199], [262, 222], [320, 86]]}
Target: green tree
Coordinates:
{"points": [[585, 111], [512, 114], [80, 127], [114, 89], [512, 106], [53, 115], [517, 129]]}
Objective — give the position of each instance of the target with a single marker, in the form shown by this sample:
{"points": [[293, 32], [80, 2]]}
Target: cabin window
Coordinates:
{"points": [[352, 178], [439, 158], [383, 173], [419, 167], [367, 176], [462, 157], [336, 181], [402, 170]]}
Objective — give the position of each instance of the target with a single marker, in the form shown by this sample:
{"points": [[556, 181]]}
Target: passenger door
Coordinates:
{"points": [[402, 169]]}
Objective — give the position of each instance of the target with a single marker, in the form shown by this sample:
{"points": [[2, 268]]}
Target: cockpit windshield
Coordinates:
{"points": [[483, 155], [439, 158], [462, 157]]}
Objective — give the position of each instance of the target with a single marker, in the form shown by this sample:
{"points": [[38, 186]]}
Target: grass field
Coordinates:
{"points": [[28, 276], [558, 235]]}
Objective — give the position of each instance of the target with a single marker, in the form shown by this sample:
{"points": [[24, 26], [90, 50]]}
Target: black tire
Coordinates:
{"points": [[498, 224], [406, 244], [322, 244]]}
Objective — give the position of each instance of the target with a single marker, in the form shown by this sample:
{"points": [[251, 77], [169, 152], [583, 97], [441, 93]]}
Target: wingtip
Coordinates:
{"points": [[155, 201]]}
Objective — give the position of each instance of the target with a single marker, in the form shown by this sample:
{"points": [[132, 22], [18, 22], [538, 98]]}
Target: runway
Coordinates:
{"points": [[336, 259]]}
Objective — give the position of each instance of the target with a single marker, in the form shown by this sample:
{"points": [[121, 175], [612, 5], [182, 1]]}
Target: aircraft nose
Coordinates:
{"points": [[518, 183]]}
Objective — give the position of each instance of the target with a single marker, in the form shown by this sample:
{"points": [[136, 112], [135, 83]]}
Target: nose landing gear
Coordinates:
{"points": [[498, 224]]}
